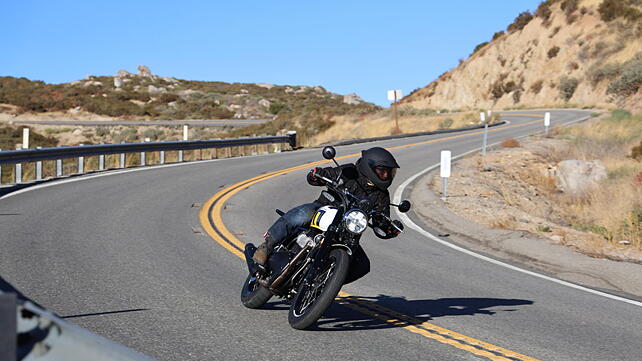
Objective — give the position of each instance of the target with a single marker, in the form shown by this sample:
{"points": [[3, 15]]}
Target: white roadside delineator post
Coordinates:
{"points": [[39, 168], [485, 142], [58, 167], [444, 172], [185, 137], [18, 167], [547, 122], [81, 163], [25, 138]]}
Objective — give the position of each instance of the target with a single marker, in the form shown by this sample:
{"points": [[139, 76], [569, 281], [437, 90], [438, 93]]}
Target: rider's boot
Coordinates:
{"points": [[263, 251]]}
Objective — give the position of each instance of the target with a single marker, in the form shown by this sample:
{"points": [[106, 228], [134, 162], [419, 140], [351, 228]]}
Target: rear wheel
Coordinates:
{"points": [[313, 299], [253, 295]]}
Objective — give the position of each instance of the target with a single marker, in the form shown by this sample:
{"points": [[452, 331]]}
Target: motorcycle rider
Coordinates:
{"points": [[374, 173]]}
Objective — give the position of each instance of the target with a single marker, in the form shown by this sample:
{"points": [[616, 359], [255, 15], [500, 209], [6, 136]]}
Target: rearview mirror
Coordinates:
{"points": [[328, 152], [404, 206]]}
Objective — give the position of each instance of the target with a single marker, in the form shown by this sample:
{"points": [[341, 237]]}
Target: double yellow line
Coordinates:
{"points": [[212, 222]]}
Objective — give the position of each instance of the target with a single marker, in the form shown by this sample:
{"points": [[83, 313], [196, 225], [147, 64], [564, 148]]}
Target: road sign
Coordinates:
{"points": [[394, 95], [445, 164]]}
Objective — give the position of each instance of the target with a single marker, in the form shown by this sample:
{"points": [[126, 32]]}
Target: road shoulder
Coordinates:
{"points": [[523, 248]]}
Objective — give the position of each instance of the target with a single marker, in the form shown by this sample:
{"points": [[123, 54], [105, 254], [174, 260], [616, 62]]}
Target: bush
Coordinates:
{"points": [[498, 34], [567, 87], [630, 81], [479, 46], [569, 7], [153, 134], [517, 95], [620, 114], [608, 71], [536, 87], [276, 108], [102, 131], [612, 9], [636, 152], [555, 31], [552, 52], [520, 22], [544, 10], [510, 143], [446, 123]]}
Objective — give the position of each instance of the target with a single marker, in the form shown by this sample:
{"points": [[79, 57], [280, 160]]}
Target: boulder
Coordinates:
{"points": [[118, 82], [352, 99], [578, 176], [154, 90], [144, 71], [123, 73], [265, 85], [265, 103], [92, 83]]}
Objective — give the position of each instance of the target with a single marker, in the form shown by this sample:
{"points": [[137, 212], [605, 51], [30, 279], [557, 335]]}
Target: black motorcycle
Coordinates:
{"points": [[309, 269]]}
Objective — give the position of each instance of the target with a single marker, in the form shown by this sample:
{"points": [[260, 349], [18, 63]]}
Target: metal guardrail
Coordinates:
{"points": [[57, 153]]}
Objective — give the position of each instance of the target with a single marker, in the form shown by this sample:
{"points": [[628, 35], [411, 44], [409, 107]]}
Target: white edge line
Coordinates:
{"points": [[406, 220]]}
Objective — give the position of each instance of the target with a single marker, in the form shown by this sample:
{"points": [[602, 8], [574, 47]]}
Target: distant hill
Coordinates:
{"points": [[148, 96], [569, 52]]}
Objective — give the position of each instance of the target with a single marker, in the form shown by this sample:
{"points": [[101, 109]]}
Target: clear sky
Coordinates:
{"points": [[366, 47]]}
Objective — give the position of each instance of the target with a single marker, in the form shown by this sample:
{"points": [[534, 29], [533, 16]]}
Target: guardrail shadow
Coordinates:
{"points": [[356, 313]]}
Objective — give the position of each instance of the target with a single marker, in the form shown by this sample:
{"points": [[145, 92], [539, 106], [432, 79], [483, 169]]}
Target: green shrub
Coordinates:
{"points": [[567, 87], [544, 10], [630, 80], [620, 114], [552, 52], [608, 71], [612, 9], [479, 47], [102, 131], [498, 34], [569, 7], [276, 108], [153, 134], [520, 22], [446, 123]]}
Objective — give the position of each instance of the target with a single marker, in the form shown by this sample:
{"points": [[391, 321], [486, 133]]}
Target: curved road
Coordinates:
{"points": [[124, 255]]}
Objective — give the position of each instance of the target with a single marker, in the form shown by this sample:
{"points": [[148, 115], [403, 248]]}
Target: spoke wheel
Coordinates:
{"points": [[314, 298]]}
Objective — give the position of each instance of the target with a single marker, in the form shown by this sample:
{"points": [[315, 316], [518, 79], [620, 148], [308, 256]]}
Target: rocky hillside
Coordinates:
{"points": [[569, 52], [148, 96]]}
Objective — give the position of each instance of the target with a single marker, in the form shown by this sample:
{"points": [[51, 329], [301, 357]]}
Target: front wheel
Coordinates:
{"points": [[253, 295], [313, 299]]}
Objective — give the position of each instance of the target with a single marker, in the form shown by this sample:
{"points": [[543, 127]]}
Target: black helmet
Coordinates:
{"points": [[379, 166]]}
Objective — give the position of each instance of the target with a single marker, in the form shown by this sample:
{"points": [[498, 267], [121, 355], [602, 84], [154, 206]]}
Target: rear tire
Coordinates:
{"points": [[309, 303], [253, 295]]}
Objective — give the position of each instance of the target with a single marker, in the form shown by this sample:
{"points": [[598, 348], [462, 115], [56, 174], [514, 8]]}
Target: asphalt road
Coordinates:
{"points": [[124, 255], [138, 123]]}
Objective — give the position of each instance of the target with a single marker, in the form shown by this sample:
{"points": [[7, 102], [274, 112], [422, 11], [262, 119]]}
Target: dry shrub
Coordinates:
{"points": [[510, 143], [504, 223], [536, 87]]}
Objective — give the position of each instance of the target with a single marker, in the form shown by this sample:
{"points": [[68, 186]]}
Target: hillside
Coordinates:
{"points": [[144, 95], [569, 53]]}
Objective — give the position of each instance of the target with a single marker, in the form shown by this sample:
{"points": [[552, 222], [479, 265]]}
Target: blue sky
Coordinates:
{"points": [[365, 47]]}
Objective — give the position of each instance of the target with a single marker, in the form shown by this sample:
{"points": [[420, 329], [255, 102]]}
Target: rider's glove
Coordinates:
{"points": [[312, 176]]}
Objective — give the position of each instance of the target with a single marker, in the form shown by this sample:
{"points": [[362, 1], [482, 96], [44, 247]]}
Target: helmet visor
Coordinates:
{"points": [[385, 173]]}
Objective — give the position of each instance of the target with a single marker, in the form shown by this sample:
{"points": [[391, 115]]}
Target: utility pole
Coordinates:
{"points": [[394, 96]]}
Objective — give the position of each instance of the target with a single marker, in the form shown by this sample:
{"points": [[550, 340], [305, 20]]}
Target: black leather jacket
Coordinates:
{"points": [[360, 187]]}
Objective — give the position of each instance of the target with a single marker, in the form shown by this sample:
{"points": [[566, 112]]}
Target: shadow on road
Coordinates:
{"points": [[348, 317], [105, 313]]}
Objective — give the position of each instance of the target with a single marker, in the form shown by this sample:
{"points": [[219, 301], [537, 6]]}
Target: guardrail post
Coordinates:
{"points": [[58, 167], [9, 322], [122, 160], [180, 156], [162, 157], [142, 154], [0, 171], [81, 163], [292, 140], [101, 162], [39, 168], [18, 173]]}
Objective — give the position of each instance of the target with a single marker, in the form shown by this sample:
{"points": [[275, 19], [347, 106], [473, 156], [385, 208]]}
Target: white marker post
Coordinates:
{"points": [[185, 137], [39, 168], [25, 138], [81, 163], [444, 171], [485, 142], [547, 122]]}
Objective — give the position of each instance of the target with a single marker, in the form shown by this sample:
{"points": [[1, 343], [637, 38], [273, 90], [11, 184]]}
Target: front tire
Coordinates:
{"points": [[253, 295], [312, 300]]}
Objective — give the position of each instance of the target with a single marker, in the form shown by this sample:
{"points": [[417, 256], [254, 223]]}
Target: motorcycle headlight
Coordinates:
{"points": [[355, 221]]}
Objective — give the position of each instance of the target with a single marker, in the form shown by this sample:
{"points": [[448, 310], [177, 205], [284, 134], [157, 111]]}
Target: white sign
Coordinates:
{"points": [[547, 119], [482, 116], [489, 112], [185, 132], [394, 95], [444, 171], [25, 138]]}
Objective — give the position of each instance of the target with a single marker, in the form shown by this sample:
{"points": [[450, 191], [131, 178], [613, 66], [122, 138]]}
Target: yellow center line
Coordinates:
{"points": [[211, 220]]}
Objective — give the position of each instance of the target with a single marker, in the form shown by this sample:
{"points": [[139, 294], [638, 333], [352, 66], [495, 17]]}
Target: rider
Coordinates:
{"points": [[376, 170]]}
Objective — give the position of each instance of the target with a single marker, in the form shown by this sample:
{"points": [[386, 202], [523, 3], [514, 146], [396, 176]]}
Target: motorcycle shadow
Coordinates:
{"points": [[356, 313]]}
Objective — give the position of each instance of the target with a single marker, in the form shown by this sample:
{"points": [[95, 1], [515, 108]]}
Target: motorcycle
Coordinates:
{"points": [[309, 269]]}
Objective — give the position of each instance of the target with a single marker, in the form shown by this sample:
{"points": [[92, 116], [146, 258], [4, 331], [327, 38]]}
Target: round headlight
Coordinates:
{"points": [[355, 221]]}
